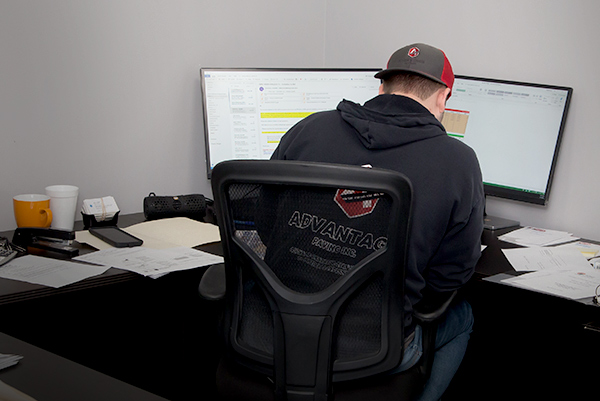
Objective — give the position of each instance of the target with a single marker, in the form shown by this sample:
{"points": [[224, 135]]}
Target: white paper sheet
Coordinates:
{"points": [[533, 236], [535, 259], [50, 272], [572, 284], [7, 360], [149, 262]]}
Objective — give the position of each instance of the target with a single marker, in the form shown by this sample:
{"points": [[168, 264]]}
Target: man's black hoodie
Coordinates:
{"points": [[395, 132]]}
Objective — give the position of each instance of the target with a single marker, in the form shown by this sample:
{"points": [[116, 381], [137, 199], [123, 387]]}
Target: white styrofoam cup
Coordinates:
{"points": [[63, 204]]}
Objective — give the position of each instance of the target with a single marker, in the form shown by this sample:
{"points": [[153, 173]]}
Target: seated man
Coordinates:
{"points": [[400, 129]]}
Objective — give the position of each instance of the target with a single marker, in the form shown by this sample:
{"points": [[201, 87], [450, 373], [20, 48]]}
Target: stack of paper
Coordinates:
{"points": [[532, 236], [7, 360], [563, 271], [587, 249]]}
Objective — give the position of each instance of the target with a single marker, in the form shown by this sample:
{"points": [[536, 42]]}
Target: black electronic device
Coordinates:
{"points": [[515, 128], [115, 236], [46, 239], [160, 207]]}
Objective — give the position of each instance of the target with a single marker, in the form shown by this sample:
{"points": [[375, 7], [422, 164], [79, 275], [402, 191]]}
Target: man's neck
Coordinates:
{"points": [[427, 103]]}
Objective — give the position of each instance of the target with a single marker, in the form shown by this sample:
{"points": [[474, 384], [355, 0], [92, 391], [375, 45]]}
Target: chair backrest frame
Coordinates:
{"points": [[311, 318]]}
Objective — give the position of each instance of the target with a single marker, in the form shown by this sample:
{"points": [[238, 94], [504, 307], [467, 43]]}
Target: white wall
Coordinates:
{"points": [[543, 41], [105, 95]]}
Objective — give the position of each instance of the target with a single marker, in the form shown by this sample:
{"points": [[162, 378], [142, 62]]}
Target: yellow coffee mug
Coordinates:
{"points": [[32, 210]]}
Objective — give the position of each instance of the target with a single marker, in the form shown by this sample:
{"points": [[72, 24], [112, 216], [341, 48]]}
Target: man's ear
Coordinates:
{"points": [[442, 97]]}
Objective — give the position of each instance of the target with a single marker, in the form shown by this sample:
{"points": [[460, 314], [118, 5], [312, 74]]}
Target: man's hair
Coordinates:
{"points": [[407, 82]]}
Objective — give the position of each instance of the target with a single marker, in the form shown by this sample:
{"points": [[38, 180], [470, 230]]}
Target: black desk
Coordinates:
{"points": [[157, 335], [18, 291], [525, 345], [46, 376]]}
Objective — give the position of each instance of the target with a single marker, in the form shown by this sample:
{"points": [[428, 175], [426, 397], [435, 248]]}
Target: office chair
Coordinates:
{"points": [[314, 271]]}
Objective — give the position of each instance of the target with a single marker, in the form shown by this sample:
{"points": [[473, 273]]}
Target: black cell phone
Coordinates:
{"points": [[115, 236]]}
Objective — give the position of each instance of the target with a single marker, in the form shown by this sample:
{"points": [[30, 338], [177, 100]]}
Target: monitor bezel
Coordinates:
{"points": [[266, 69], [517, 194]]}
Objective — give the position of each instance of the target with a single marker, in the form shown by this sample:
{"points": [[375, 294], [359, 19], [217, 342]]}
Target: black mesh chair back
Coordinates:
{"points": [[314, 260]]}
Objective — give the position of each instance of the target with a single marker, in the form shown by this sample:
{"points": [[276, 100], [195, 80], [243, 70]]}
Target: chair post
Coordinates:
{"points": [[306, 370]]}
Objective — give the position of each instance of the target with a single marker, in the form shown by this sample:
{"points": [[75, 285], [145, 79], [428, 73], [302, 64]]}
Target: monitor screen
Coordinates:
{"points": [[247, 111], [515, 129]]}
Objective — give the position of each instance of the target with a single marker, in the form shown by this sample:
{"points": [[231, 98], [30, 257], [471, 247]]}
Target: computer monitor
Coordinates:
{"points": [[515, 129], [247, 111]]}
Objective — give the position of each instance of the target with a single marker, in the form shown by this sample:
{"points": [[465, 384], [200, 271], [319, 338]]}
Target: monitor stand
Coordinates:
{"points": [[497, 223]]}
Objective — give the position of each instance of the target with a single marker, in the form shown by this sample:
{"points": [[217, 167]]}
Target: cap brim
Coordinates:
{"points": [[383, 74]]}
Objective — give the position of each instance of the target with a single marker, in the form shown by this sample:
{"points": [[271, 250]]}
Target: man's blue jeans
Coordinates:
{"points": [[450, 346]]}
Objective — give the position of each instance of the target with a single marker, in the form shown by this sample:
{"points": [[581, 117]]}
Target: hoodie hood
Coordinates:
{"points": [[388, 121]]}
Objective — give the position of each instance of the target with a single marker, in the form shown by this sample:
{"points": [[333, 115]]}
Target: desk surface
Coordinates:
{"points": [[492, 260], [16, 291], [45, 376], [122, 314], [495, 322]]}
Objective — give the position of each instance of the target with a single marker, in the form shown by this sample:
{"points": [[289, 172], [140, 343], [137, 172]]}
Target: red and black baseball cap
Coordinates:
{"points": [[421, 59]]}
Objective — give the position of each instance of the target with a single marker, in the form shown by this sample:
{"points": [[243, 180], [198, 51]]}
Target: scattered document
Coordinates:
{"points": [[536, 259], [572, 284], [150, 262], [562, 271], [532, 236], [587, 249], [7, 360], [49, 272]]}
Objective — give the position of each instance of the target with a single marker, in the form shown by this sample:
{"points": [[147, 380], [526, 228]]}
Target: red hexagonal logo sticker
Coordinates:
{"points": [[356, 203]]}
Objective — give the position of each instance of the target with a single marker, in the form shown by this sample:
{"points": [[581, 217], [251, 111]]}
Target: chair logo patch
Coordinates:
{"points": [[356, 203]]}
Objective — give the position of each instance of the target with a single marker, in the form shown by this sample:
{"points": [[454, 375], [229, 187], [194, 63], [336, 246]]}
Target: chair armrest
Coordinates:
{"points": [[431, 308], [212, 284], [426, 313]]}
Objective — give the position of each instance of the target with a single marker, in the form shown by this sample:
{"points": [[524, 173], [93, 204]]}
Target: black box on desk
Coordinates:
{"points": [[89, 220]]}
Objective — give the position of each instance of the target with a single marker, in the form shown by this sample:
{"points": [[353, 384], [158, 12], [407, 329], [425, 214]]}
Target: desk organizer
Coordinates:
{"points": [[89, 220]]}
